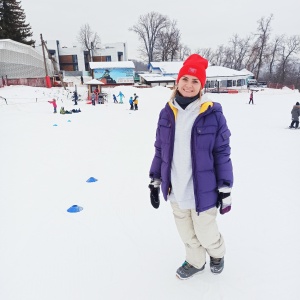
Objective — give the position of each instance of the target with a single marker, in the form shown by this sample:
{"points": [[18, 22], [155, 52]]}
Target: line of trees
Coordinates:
{"points": [[13, 23], [273, 60]]}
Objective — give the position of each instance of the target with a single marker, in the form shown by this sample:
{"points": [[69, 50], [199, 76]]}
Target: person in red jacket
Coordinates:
{"points": [[53, 102]]}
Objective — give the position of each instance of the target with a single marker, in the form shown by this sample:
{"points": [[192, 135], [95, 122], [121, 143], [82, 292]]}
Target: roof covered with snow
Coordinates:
{"points": [[167, 67], [112, 65], [173, 67], [150, 77], [94, 81], [217, 71]]}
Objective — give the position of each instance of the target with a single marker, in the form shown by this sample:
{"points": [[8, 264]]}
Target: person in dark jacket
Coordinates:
{"points": [[192, 166], [295, 116], [75, 97], [115, 98]]}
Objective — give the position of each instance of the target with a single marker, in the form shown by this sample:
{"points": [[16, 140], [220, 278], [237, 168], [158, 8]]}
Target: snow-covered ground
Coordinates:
{"points": [[118, 246]]}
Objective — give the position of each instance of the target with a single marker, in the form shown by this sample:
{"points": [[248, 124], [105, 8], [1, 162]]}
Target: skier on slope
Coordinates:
{"points": [[295, 116]]}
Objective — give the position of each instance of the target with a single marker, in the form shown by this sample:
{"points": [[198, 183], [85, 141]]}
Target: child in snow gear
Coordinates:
{"points": [[93, 98], [192, 166], [295, 116], [251, 98], [64, 112], [131, 103], [115, 98], [53, 102], [121, 95]]}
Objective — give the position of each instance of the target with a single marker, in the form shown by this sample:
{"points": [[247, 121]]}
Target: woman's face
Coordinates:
{"points": [[189, 86]]}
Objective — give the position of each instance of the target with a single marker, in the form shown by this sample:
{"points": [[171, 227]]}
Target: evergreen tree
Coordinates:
{"points": [[12, 22]]}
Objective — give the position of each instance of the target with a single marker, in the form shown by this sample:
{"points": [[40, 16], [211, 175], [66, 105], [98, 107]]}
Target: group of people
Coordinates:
{"points": [[62, 109], [67, 112], [121, 95], [133, 101]]}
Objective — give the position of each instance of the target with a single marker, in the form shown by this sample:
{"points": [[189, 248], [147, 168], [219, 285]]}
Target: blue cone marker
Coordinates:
{"points": [[74, 209], [92, 179]]}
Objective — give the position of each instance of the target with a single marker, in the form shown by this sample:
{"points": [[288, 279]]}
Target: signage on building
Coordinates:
{"points": [[114, 75]]}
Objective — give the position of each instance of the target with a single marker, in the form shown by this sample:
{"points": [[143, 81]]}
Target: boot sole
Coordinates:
{"points": [[185, 278]]}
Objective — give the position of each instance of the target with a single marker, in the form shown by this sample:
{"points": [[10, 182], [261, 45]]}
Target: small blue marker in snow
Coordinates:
{"points": [[54, 124], [92, 179], [74, 209], [69, 120]]}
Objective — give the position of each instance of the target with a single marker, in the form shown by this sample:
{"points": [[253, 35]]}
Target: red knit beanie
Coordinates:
{"points": [[194, 65]]}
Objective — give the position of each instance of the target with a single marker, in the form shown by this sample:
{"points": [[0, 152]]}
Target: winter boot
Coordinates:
{"points": [[216, 265], [187, 271]]}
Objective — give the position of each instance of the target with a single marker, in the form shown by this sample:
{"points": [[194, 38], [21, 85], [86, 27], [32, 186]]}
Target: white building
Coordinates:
{"points": [[75, 58], [217, 77]]}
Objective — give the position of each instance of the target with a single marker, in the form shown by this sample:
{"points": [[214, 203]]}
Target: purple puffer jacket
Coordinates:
{"points": [[210, 150]]}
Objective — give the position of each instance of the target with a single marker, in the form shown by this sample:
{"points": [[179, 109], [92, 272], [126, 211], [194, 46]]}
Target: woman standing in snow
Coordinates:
{"points": [[193, 167]]}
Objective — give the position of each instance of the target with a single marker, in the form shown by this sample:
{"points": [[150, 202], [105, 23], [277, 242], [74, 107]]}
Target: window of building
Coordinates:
{"points": [[120, 56], [108, 58]]}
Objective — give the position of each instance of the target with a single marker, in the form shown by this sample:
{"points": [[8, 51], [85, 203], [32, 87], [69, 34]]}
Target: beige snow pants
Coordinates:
{"points": [[199, 234]]}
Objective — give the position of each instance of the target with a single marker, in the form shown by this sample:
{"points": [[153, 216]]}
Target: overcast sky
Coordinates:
{"points": [[202, 24]]}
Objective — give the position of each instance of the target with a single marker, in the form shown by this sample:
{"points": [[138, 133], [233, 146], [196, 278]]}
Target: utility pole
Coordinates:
{"points": [[45, 64], [53, 63]]}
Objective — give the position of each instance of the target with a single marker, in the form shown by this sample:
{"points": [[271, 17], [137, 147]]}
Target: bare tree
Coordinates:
{"points": [[218, 58], [183, 52], [289, 47], [263, 34], [88, 39], [205, 52], [168, 42], [239, 49], [148, 28], [273, 52]]}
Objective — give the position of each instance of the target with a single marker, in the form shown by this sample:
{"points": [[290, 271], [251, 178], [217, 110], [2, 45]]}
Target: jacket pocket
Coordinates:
{"points": [[207, 130], [164, 130], [226, 135]]}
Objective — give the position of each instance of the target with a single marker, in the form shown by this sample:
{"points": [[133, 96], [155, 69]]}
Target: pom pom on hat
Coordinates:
{"points": [[194, 65]]}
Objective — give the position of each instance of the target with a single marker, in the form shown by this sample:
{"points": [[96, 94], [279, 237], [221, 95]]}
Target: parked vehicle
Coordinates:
{"points": [[262, 84], [252, 82]]}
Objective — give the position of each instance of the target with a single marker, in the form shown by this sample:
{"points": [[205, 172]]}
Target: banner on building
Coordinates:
{"points": [[114, 75]]}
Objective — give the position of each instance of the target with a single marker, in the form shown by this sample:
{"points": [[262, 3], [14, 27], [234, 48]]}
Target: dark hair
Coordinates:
{"points": [[297, 103]]}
